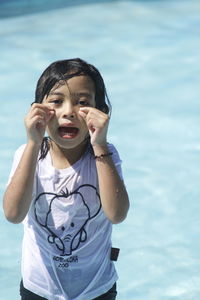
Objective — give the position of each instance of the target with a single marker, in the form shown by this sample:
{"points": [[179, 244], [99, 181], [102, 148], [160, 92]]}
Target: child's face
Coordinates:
{"points": [[67, 128]]}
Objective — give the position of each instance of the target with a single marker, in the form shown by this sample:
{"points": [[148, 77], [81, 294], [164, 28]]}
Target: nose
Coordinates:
{"points": [[68, 110]]}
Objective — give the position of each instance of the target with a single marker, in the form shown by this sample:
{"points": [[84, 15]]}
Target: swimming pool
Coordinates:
{"points": [[148, 53]]}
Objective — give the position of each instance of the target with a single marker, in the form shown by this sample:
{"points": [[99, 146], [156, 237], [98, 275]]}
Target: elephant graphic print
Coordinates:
{"points": [[64, 216]]}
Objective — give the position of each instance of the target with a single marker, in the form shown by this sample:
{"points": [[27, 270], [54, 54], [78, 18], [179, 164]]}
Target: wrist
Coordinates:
{"points": [[100, 149], [103, 156], [34, 145]]}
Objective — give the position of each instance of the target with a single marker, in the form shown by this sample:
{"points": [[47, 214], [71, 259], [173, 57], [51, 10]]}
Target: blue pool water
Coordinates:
{"points": [[148, 53]]}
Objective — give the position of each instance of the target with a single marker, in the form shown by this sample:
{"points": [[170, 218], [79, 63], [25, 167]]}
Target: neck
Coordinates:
{"points": [[64, 158]]}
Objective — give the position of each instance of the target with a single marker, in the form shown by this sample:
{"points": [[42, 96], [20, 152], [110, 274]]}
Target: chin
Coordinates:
{"points": [[70, 144]]}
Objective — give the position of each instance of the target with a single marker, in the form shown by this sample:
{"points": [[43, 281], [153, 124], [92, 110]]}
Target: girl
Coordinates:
{"points": [[67, 188]]}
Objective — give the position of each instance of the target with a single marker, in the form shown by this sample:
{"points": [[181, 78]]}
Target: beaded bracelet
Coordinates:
{"points": [[103, 155]]}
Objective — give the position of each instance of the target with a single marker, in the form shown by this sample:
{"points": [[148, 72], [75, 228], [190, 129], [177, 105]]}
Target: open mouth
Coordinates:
{"points": [[68, 132]]}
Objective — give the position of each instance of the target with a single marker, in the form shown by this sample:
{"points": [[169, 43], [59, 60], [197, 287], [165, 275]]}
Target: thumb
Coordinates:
{"points": [[50, 114]]}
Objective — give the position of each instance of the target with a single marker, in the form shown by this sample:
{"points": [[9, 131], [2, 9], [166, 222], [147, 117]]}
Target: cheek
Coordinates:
{"points": [[82, 123], [84, 127], [52, 124]]}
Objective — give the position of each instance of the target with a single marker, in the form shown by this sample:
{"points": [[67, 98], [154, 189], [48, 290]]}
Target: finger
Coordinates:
{"points": [[82, 114], [91, 110], [91, 126], [50, 114], [97, 121], [43, 112], [40, 123], [32, 122], [85, 109], [43, 107], [87, 112]]}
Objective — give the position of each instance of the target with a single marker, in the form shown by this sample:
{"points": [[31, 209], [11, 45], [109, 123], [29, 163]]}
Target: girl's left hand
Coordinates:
{"points": [[97, 123]]}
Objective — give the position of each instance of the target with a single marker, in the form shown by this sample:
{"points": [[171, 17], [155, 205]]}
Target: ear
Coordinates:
{"points": [[91, 199], [42, 208]]}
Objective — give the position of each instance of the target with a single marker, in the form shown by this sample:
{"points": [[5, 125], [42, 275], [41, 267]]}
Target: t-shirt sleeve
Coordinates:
{"points": [[17, 156], [116, 159]]}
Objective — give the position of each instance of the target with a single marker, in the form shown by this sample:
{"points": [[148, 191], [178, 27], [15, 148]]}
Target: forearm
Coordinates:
{"points": [[113, 194], [18, 195], [114, 197]]}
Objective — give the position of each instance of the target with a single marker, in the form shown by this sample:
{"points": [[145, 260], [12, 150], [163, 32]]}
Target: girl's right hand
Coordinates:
{"points": [[36, 121]]}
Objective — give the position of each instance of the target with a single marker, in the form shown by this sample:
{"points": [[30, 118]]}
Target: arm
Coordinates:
{"points": [[18, 195], [113, 193]]}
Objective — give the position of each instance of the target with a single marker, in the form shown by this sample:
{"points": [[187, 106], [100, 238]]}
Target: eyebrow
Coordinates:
{"points": [[82, 94], [56, 93]]}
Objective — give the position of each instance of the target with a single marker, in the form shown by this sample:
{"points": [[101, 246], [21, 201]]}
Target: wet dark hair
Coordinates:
{"points": [[63, 70]]}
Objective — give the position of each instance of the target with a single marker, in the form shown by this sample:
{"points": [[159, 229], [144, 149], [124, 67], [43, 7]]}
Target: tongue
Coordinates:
{"points": [[68, 131]]}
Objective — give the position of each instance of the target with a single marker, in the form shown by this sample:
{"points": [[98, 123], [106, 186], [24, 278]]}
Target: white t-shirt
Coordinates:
{"points": [[67, 237]]}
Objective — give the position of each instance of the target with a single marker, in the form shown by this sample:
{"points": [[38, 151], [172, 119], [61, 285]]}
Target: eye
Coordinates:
{"points": [[56, 101], [83, 102]]}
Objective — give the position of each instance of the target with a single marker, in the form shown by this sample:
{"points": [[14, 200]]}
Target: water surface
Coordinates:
{"points": [[148, 54]]}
